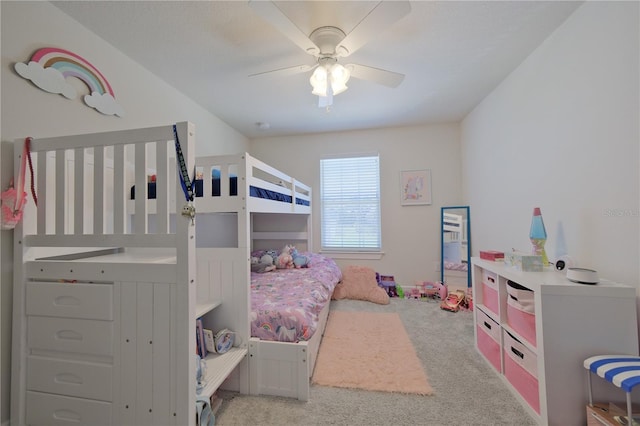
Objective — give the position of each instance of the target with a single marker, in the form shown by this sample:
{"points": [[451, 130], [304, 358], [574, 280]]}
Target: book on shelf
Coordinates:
{"points": [[208, 340], [202, 350]]}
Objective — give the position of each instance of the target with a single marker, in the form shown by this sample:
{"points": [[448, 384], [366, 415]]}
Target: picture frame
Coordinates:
{"points": [[415, 187]]}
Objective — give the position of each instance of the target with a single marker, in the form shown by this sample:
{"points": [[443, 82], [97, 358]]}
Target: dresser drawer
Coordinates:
{"points": [[70, 335], [77, 300], [46, 409], [72, 378]]}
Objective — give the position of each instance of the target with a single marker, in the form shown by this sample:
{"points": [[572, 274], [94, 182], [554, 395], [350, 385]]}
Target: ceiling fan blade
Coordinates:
{"points": [[285, 71], [379, 19], [377, 75], [270, 12]]}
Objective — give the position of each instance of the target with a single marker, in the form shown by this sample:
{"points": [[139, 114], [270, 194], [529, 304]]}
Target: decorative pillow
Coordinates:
{"points": [[359, 283]]}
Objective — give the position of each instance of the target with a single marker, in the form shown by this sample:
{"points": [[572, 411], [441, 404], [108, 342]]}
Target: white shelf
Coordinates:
{"points": [[204, 308], [572, 321], [219, 366]]}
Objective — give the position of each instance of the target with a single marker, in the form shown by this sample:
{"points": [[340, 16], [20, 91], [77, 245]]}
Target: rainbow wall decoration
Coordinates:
{"points": [[49, 68]]}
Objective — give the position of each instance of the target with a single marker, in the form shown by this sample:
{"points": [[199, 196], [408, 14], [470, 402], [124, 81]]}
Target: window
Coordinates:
{"points": [[350, 203]]}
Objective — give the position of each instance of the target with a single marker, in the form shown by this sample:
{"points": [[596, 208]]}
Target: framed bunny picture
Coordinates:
{"points": [[415, 187]]}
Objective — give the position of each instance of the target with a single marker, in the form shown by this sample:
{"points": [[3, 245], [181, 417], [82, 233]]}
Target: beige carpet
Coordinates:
{"points": [[371, 351]]}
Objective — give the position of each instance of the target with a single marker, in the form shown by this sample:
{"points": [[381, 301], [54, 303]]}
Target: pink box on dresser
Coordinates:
{"points": [[521, 311], [521, 370], [490, 291], [488, 335], [523, 323], [492, 255]]}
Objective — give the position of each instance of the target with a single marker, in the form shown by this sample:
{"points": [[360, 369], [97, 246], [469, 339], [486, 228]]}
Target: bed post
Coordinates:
{"points": [[310, 231], [18, 344], [186, 289]]}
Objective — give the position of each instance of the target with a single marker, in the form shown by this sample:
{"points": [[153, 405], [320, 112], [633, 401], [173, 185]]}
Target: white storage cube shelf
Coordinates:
{"points": [[570, 322]]}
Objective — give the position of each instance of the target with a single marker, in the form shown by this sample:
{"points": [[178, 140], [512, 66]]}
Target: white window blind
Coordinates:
{"points": [[350, 198]]}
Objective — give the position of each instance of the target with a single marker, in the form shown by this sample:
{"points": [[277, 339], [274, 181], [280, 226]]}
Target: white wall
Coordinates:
{"points": [[29, 111], [410, 234], [561, 133], [147, 100]]}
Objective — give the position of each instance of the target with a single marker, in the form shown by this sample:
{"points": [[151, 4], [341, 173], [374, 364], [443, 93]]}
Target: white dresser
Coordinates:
{"points": [[70, 341], [540, 354]]}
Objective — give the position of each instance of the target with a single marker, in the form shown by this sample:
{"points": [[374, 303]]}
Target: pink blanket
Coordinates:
{"points": [[286, 303], [455, 266]]}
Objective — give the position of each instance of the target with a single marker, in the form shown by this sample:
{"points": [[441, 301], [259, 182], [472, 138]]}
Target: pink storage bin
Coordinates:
{"points": [[488, 335], [521, 311], [521, 370], [490, 291]]}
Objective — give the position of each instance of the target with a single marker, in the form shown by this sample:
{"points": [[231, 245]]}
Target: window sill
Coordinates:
{"points": [[359, 255]]}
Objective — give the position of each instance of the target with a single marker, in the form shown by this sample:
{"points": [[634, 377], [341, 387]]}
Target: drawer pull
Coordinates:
{"points": [[67, 416], [491, 280], [66, 301], [486, 324], [517, 352], [68, 335], [68, 378]]}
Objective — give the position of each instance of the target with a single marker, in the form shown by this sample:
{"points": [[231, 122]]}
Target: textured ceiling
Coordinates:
{"points": [[451, 53]]}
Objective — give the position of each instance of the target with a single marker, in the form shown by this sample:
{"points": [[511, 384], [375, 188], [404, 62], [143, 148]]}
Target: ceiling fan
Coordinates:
{"points": [[328, 44]]}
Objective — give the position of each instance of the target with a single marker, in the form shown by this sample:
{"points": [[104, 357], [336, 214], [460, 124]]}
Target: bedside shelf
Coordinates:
{"points": [[219, 366], [204, 308]]}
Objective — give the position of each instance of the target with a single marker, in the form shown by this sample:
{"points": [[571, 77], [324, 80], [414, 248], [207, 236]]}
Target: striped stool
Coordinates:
{"points": [[621, 370]]}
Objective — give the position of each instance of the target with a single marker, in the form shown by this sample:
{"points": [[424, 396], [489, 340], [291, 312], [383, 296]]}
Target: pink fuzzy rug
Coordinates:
{"points": [[372, 351]]}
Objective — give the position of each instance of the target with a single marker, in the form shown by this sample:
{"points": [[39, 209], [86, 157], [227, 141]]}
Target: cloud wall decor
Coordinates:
{"points": [[49, 68]]}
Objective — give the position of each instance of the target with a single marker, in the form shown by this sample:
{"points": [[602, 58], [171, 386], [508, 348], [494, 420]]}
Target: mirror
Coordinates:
{"points": [[455, 269]]}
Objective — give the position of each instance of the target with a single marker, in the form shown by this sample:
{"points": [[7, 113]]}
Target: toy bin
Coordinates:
{"points": [[521, 311], [488, 335], [521, 370], [490, 291]]}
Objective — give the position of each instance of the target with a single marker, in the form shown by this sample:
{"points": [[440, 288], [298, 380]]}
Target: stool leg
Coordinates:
{"points": [[589, 382], [630, 417]]}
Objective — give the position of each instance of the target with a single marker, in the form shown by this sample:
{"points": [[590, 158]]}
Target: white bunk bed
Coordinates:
{"points": [[107, 289], [275, 368]]}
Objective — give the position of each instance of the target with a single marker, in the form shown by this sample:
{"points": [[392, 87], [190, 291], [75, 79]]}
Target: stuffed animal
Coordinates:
{"points": [[284, 261], [269, 257], [299, 260], [258, 266]]}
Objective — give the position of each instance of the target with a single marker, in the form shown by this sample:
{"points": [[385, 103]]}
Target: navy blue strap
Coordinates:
{"points": [[187, 183]]}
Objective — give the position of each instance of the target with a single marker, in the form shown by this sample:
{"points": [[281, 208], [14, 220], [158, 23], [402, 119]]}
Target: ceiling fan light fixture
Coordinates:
{"points": [[339, 78], [318, 81], [325, 101]]}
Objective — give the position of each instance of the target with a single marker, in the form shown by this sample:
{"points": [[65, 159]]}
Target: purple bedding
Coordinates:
{"points": [[286, 303]]}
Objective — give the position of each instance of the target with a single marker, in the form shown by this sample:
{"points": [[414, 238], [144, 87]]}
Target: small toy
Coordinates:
{"points": [[388, 283], [269, 257], [299, 260], [429, 290], [284, 260], [453, 301], [467, 304], [258, 266], [400, 291], [415, 293]]}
